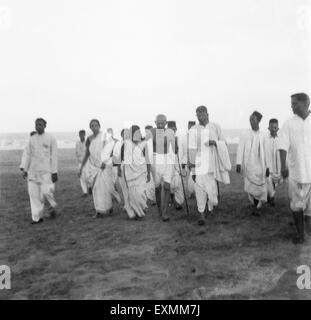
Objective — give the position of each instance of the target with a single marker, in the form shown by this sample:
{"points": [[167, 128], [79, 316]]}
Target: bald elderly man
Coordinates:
{"points": [[162, 145]]}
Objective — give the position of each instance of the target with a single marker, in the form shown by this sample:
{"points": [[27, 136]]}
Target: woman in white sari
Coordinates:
{"points": [[99, 150], [136, 173]]}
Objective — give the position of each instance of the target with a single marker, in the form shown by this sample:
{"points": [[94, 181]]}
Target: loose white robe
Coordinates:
{"points": [[39, 160], [251, 157], [135, 176], [80, 152], [101, 180], [205, 163]]}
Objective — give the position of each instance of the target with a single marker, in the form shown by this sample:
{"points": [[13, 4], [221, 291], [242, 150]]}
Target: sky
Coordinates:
{"points": [[123, 61]]}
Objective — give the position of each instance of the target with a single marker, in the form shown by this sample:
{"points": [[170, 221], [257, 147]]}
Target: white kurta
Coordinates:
{"points": [[273, 162], [101, 180], [206, 184], [39, 160], [251, 156], [80, 153], [295, 138]]}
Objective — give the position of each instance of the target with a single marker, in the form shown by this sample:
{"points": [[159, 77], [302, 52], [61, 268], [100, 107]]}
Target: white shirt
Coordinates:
{"points": [[273, 160], [295, 138], [199, 137], [80, 150], [40, 155]]}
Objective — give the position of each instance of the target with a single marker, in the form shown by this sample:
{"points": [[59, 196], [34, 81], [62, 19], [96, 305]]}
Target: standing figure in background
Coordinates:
{"points": [[295, 148], [80, 152], [189, 183], [99, 152], [251, 159], [273, 160], [39, 166], [110, 136], [150, 189], [177, 192]]}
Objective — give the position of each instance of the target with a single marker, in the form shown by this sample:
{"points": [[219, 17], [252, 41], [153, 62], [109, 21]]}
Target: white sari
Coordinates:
{"points": [[101, 180], [135, 176]]}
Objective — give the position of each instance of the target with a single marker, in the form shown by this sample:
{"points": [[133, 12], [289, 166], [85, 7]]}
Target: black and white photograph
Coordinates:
{"points": [[155, 151]]}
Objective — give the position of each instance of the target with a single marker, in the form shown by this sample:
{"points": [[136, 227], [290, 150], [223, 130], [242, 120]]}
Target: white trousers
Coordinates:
{"points": [[300, 197], [39, 192], [206, 189]]}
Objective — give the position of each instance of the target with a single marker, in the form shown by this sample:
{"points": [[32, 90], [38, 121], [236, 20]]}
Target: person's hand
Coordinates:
{"points": [[238, 168], [194, 177], [148, 177], [54, 177], [103, 166], [284, 173], [212, 143], [267, 172], [24, 174]]}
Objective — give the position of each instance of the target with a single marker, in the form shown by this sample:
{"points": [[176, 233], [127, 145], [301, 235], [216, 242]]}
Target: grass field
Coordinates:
{"points": [[235, 256]]}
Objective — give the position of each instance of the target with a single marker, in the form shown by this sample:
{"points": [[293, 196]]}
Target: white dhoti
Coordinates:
{"points": [[162, 169], [83, 178], [300, 196], [206, 189], [40, 189], [190, 185], [255, 185], [150, 189], [272, 183], [176, 187]]}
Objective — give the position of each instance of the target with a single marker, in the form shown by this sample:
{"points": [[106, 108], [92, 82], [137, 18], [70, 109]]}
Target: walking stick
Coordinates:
{"points": [[183, 187], [218, 191]]}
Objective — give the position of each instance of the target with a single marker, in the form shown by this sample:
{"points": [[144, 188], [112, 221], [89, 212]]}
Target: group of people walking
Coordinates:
{"points": [[161, 168]]}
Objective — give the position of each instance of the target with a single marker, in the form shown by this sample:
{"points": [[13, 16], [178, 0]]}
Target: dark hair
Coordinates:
{"points": [[273, 120], [148, 127], [122, 132], [133, 129], [82, 131], [95, 120], [171, 124], [41, 119], [32, 133], [303, 97], [201, 109], [258, 115]]}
